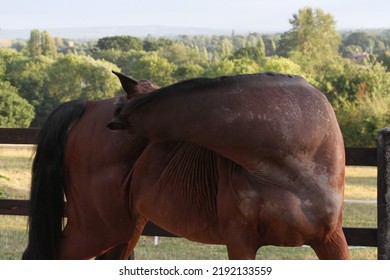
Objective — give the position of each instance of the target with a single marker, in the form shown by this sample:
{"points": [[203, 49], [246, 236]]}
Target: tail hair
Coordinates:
{"points": [[47, 199]]}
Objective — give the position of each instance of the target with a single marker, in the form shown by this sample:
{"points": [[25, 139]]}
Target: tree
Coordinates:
{"points": [[361, 121], [81, 77], [187, 71], [362, 39], [29, 76], [261, 47], [351, 50], [233, 66], [360, 95], [48, 45], [312, 41], [179, 54], [270, 45], [14, 110], [19, 45], [281, 65], [152, 44], [385, 59], [46, 82], [122, 43], [41, 43], [345, 81], [34, 44], [254, 53], [226, 47], [153, 67]]}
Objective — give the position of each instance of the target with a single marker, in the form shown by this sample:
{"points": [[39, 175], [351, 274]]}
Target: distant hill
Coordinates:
{"points": [[99, 32]]}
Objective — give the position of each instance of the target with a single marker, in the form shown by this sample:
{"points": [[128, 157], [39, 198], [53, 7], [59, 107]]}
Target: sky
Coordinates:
{"points": [[250, 15]]}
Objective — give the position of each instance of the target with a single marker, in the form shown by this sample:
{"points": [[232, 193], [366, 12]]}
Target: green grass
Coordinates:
{"points": [[361, 183], [13, 237], [15, 165], [15, 171]]}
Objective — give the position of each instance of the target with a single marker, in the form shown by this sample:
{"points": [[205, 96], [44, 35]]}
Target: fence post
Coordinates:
{"points": [[384, 194]]}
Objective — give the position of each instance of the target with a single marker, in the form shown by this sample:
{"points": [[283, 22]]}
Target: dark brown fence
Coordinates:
{"points": [[373, 237]]}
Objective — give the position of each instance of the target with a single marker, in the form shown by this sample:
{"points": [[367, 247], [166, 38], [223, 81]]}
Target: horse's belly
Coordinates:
{"points": [[182, 221]]}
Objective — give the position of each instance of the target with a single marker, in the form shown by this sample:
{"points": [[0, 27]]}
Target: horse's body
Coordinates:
{"points": [[271, 175], [78, 155], [244, 161]]}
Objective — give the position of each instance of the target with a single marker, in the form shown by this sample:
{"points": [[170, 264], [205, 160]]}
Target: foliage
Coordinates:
{"points": [[312, 40], [76, 77], [253, 53], [14, 110], [34, 43], [122, 43], [29, 76], [361, 99], [46, 82], [155, 68], [361, 122], [81, 77], [187, 71], [48, 45], [384, 57], [41, 43], [154, 44], [352, 72], [341, 80], [361, 39], [282, 65]]}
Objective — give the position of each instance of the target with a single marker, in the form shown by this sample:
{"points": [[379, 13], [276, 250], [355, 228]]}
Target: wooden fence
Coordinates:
{"points": [[372, 237]]}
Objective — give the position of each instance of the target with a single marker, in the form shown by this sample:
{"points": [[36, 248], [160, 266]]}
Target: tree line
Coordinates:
{"points": [[350, 68]]}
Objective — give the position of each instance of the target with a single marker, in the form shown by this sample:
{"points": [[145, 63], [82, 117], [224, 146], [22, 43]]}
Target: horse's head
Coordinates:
{"points": [[118, 123], [133, 88]]}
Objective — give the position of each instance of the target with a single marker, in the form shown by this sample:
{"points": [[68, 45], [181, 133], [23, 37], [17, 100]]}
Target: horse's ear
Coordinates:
{"points": [[129, 84]]}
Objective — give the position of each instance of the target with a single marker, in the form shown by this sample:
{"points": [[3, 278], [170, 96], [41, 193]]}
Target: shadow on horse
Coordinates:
{"points": [[245, 161]]}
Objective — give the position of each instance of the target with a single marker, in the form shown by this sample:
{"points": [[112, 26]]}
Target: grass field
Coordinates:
{"points": [[15, 165]]}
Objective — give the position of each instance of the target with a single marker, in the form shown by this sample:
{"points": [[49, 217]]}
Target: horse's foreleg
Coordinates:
{"points": [[335, 247], [120, 252], [236, 252], [241, 243]]}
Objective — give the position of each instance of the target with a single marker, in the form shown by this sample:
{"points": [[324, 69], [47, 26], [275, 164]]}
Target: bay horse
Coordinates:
{"points": [[245, 161], [77, 155]]}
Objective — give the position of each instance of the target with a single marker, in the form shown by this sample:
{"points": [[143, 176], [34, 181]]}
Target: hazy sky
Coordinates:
{"points": [[251, 15]]}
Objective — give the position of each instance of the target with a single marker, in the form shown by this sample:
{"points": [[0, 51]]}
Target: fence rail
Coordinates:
{"points": [[372, 237]]}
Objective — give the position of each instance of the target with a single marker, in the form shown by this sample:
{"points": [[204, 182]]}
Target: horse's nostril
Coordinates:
{"points": [[117, 125]]}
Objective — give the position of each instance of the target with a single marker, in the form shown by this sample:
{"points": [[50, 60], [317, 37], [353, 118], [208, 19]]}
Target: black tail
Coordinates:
{"points": [[47, 185]]}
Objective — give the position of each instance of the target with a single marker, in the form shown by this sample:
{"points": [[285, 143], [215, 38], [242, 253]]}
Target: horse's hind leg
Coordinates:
{"points": [[123, 251], [75, 245], [335, 247]]}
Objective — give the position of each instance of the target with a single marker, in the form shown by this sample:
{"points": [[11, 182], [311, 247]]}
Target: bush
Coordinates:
{"points": [[14, 110]]}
